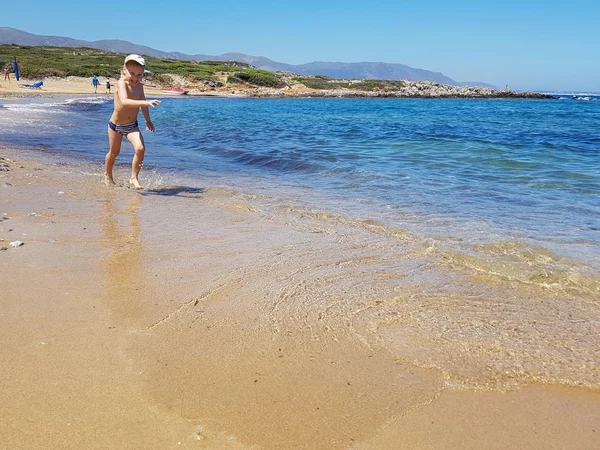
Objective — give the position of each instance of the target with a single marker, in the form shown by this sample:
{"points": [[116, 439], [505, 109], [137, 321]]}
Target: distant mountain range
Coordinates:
{"points": [[362, 70]]}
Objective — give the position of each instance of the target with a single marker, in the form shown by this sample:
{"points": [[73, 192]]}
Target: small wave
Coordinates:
{"points": [[87, 103], [95, 100], [53, 107], [530, 266], [46, 108], [271, 161], [497, 263]]}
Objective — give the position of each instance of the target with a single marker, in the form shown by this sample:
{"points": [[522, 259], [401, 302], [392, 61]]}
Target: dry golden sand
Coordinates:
{"points": [[136, 320], [69, 85]]}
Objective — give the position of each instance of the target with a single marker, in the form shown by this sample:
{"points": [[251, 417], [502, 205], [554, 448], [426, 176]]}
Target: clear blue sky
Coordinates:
{"points": [[535, 45]]}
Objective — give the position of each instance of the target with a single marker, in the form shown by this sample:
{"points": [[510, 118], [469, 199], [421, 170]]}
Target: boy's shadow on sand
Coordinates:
{"points": [[172, 191]]}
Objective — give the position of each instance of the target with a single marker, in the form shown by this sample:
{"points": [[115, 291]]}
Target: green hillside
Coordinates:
{"points": [[39, 62]]}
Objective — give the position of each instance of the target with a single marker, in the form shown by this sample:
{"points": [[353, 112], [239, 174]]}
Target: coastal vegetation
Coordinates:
{"points": [[38, 62], [321, 82], [257, 77], [324, 82]]}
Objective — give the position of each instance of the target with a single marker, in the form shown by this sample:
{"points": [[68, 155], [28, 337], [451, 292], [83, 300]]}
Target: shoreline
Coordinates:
{"points": [[425, 89], [148, 309]]}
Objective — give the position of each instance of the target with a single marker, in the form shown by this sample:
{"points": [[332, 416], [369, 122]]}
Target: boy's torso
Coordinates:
{"points": [[127, 114]]}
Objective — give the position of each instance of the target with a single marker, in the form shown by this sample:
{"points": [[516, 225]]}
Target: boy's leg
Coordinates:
{"points": [[114, 144], [137, 140]]}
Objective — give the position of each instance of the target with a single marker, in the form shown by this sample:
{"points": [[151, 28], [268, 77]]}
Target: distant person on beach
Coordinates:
{"points": [[95, 84], [107, 86], [6, 74], [129, 98]]}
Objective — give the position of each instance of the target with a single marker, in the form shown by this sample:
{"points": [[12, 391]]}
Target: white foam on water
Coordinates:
{"points": [[18, 116], [45, 108], [96, 100], [50, 106]]}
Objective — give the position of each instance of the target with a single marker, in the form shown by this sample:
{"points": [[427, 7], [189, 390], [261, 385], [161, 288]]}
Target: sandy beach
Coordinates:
{"points": [[53, 85], [82, 86], [168, 319]]}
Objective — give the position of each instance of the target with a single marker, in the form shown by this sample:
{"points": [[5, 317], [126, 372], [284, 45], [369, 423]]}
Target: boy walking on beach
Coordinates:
{"points": [[95, 84], [129, 98]]}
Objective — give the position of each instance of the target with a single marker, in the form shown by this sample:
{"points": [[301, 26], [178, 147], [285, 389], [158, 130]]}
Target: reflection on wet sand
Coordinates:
{"points": [[123, 263]]}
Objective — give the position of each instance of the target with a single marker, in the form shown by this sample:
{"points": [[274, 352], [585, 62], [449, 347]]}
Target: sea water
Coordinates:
{"points": [[522, 169], [505, 193]]}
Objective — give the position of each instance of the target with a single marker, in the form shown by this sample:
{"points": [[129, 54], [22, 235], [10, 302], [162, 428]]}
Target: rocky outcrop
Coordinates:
{"points": [[411, 89]]}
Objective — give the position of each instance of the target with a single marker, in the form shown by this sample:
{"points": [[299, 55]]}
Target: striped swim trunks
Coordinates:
{"points": [[124, 130]]}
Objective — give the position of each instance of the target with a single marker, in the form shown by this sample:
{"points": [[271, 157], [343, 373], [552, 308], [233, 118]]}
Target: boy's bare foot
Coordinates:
{"points": [[135, 183], [108, 180]]}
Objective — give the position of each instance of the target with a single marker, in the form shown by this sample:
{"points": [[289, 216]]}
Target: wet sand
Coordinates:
{"points": [[182, 317]]}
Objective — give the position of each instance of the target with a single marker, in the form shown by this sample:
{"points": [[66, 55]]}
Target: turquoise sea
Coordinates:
{"points": [[504, 192]]}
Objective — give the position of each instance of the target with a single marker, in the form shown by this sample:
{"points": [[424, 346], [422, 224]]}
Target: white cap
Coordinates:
{"points": [[137, 58]]}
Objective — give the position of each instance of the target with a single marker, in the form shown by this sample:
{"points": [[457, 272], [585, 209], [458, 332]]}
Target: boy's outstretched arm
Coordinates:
{"points": [[126, 101], [146, 113]]}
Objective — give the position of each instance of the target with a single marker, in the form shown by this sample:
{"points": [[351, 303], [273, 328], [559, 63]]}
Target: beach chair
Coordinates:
{"points": [[33, 86]]}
